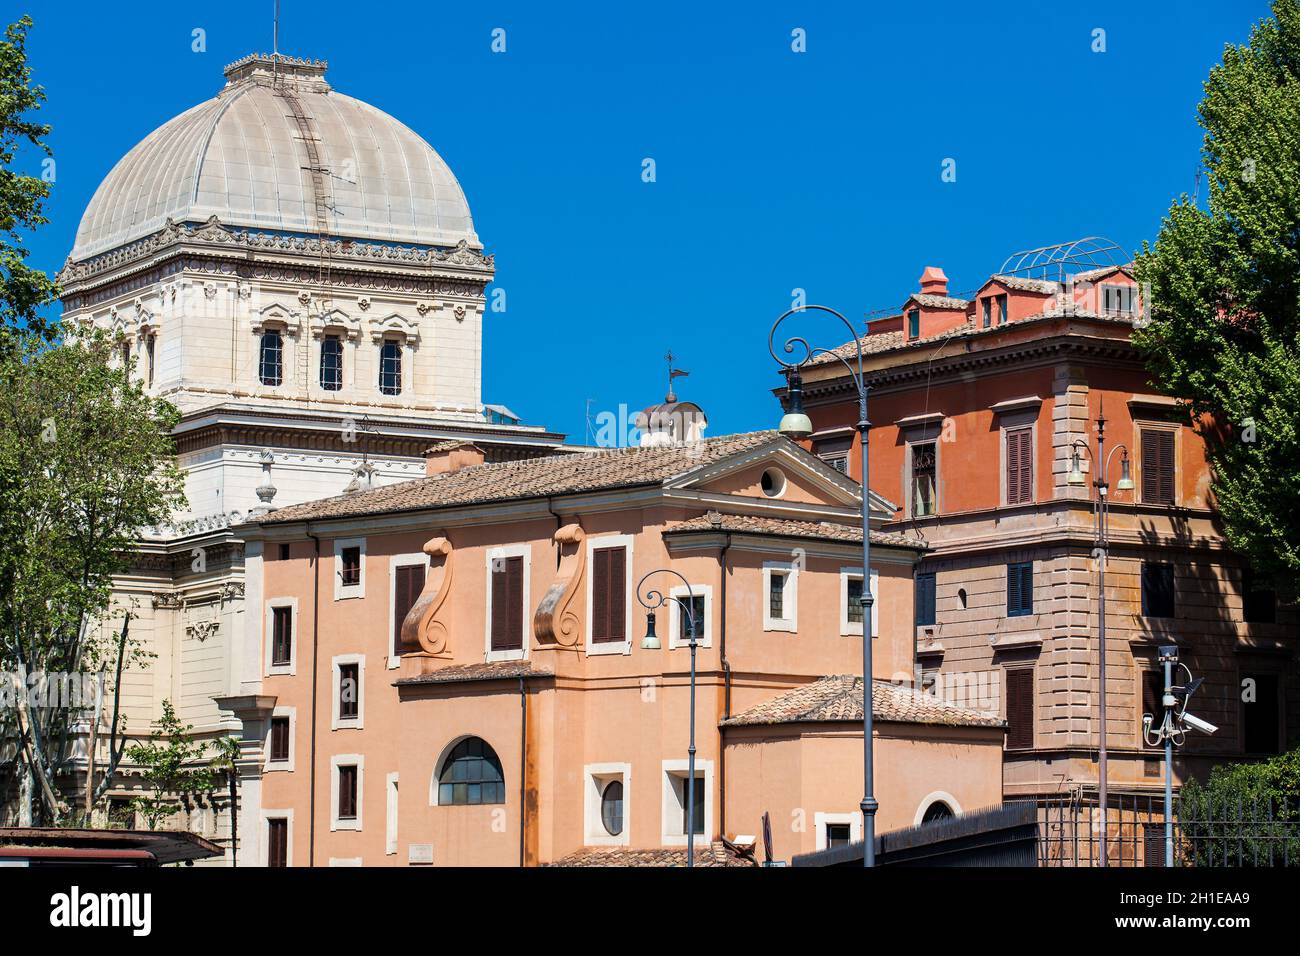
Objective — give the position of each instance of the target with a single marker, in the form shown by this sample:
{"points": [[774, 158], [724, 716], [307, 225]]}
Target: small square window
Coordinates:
{"points": [[838, 834], [1158, 594], [284, 552], [279, 739], [914, 324], [350, 566]]}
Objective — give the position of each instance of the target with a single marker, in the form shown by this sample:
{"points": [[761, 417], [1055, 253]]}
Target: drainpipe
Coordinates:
{"points": [[315, 651], [523, 765], [726, 694]]}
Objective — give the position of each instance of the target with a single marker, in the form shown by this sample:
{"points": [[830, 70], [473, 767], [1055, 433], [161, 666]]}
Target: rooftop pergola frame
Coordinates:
{"points": [[1064, 259]]}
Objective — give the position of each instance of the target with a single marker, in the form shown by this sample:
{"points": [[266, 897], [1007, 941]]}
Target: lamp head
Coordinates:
{"points": [[1125, 482], [794, 424], [651, 640], [1075, 477]]}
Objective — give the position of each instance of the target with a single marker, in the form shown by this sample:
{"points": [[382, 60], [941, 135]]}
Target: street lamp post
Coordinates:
{"points": [[1101, 465], [796, 424], [653, 599]]}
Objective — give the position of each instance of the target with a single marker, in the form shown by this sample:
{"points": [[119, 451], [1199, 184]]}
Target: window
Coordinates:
{"points": [[1260, 714], [1158, 470], [692, 807], [697, 606], [390, 817], [408, 582], [773, 482], [349, 680], [677, 820], [925, 599], [126, 355], [350, 572], [277, 842], [149, 344], [611, 807], [1117, 299], [1020, 708], [349, 691], [281, 636], [914, 324], [1153, 696], [937, 811], [270, 365], [851, 609], [349, 568], [923, 480], [1020, 466], [1002, 309], [284, 552], [987, 303], [390, 367], [1158, 597], [779, 596], [331, 363], [507, 622], [776, 596], [1258, 605], [838, 834], [609, 596], [853, 601], [279, 740], [1020, 589], [834, 451], [347, 803], [471, 775]]}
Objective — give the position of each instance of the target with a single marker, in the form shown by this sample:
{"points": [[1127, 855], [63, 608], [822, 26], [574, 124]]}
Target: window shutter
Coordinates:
{"points": [[508, 605], [617, 596], [1157, 466], [1020, 708], [1020, 467], [608, 595], [407, 585], [925, 599], [600, 596]]}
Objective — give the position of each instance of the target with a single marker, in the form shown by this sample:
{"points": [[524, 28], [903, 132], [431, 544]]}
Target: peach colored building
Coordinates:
{"points": [[976, 406], [450, 671]]}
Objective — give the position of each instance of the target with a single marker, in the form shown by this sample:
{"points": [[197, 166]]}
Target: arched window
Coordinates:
{"points": [[270, 366], [390, 367], [611, 807], [471, 775], [331, 363], [937, 811]]}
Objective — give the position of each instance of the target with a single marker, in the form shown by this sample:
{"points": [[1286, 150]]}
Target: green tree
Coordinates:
{"points": [[85, 465], [1243, 815], [174, 767], [1225, 294], [24, 291]]}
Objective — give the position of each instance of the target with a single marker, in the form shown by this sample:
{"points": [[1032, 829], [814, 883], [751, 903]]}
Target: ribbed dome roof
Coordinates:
{"points": [[247, 158]]}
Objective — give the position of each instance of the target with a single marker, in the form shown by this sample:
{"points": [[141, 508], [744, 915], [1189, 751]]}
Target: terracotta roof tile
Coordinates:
{"points": [[938, 301], [461, 673], [827, 530], [1022, 284], [839, 698], [719, 853]]}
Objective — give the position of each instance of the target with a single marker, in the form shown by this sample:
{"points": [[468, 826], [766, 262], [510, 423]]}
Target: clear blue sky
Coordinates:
{"points": [[775, 170]]}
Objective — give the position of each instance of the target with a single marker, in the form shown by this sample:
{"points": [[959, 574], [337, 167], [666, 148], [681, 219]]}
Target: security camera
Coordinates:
{"points": [[1204, 726]]}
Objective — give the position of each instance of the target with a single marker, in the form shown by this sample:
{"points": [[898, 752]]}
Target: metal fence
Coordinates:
{"points": [[1206, 832]]}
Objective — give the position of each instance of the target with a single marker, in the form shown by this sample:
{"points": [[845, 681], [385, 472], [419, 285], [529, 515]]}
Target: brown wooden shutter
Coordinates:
{"points": [[600, 595], [609, 595], [407, 585], [1020, 708], [508, 604], [1020, 467], [1157, 466], [617, 595], [277, 850], [500, 613], [347, 792]]}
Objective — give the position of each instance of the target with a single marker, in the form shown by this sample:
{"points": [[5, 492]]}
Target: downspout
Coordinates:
{"points": [[315, 684], [523, 766], [726, 694]]}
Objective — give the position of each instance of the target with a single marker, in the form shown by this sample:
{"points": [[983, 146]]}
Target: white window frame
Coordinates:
{"points": [[675, 637], [851, 629], [264, 852], [597, 777], [390, 821], [790, 622], [268, 637], [344, 592], [935, 796], [344, 760], [277, 766], [399, 561], [854, 820], [671, 817], [1123, 292], [624, 541], [494, 554], [336, 685]]}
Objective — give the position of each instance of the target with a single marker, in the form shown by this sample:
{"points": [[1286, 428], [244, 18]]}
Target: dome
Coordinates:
{"points": [[278, 150]]}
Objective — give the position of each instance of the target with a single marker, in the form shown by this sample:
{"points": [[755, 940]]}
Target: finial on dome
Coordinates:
{"points": [[276, 65]]}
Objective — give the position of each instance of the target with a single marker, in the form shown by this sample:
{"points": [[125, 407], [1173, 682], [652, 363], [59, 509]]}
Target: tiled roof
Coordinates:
{"points": [[827, 530], [1022, 284], [719, 853], [584, 471], [938, 301], [462, 673], [839, 698], [1091, 274]]}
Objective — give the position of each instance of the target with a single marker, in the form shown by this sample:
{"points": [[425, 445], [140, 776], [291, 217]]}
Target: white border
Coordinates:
{"points": [[336, 686], [390, 822], [611, 541], [346, 592], [393, 659], [675, 638], [343, 760], [509, 551], [672, 808], [854, 820], [264, 852], [345, 861], [596, 777], [277, 766], [791, 598], [268, 637], [935, 797], [848, 629]]}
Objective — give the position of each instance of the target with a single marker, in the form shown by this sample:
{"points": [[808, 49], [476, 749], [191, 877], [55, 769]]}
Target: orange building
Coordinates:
{"points": [[979, 408], [452, 670]]}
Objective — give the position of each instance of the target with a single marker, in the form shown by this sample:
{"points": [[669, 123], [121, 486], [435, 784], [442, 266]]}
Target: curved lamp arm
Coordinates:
{"points": [[653, 598], [809, 352]]}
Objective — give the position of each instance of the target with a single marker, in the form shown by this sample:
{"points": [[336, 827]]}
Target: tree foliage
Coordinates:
{"points": [[1244, 815], [173, 766], [1225, 295]]}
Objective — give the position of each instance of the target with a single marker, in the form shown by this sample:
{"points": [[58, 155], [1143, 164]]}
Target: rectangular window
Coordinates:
{"points": [[609, 595], [852, 600], [776, 596], [1020, 589], [697, 611], [1153, 696], [1020, 466], [697, 803], [149, 354], [838, 834], [270, 368], [408, 582], [349, 691], [1117, 299], [390, 367], [331, 363], [350, 566], [914, 324], [923, 480], [348, 792], [1158, 594], [835, 452], [508, 604], [987, 303], [1260, 715], [277, 842], [281, 635], [1020, 708], [1158, 471], [284, 552], [1002, 309], [279, 739], [1259, 605], [925, 602]]}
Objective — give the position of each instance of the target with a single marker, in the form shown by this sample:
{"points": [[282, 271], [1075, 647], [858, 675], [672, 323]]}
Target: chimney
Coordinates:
{"points": [[933, 281], [448, 456]]}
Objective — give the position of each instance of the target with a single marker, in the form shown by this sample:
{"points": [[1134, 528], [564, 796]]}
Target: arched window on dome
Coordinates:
{"points": [[390, 367], [270, 365], [471, 775], [331, 363]]}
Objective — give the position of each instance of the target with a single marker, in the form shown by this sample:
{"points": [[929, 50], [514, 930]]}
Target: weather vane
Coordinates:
{"points": [[672, 374]]}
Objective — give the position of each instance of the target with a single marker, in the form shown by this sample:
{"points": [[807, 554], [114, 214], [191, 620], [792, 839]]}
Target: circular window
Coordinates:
{"points": [[937, 811], [773, 483], [611, 807]]}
